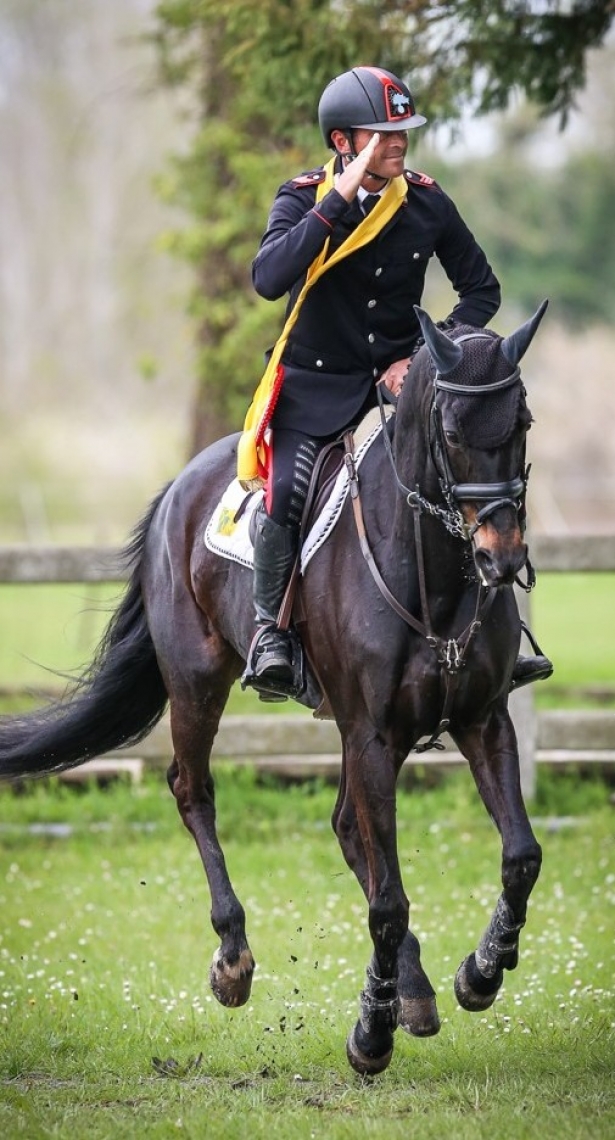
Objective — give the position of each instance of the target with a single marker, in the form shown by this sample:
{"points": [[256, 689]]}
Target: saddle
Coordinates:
{"points": [[305, 678], [292, 615]]}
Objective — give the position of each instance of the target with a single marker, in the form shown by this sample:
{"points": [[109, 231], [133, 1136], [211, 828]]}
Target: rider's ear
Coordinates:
{"points": [[341, 142], [445, 354], [516, 345]]}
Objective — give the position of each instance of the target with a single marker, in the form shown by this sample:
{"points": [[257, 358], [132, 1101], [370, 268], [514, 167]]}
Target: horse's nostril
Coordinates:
{"points": [[485, 566], [499, 567]]}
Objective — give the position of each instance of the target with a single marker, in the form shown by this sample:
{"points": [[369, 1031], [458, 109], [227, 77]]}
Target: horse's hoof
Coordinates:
{"points": [[418, 1016], [473, 991], [231, 982], [361, 1062]]}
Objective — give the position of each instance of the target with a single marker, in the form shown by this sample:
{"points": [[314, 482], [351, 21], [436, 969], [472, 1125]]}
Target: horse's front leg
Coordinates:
{"points": [[364, 821], [417, 1011], [491, 750]]}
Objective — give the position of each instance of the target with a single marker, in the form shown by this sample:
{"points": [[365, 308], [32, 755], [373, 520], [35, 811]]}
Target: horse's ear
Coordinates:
{"points": [[516, 345], [445, 353]]}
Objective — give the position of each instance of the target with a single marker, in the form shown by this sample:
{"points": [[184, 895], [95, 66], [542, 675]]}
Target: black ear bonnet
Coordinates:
{"points": [[482, 419]]}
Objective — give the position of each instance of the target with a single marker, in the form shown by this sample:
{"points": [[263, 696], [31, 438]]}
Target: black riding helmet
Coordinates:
{"points": [[369, 98]]}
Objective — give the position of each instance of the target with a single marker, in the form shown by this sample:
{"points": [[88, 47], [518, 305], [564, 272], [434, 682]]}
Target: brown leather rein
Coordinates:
{"points": [[452, 651]]}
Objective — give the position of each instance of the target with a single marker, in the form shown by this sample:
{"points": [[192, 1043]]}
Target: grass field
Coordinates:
{"points": [[573, 616], [107, 1028]]}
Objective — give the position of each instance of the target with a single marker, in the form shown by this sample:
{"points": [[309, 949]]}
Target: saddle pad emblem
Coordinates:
{"points": [[227, 523]]}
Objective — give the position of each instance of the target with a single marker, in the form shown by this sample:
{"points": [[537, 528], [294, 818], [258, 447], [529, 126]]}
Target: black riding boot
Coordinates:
{"points": [[275, 550], [529, 669]]}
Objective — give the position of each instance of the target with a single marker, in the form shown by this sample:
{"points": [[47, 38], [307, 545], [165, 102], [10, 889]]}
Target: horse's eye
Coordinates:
{"points": [[452, 438]]}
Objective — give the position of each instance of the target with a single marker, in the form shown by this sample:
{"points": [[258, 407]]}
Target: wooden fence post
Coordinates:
{"points": [[523, 713]]}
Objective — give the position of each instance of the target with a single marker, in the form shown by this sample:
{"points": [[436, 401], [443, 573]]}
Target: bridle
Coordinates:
{"points": [[508, 493]]}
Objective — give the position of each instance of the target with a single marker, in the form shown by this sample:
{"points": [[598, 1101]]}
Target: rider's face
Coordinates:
{"points": [[389, 155]]}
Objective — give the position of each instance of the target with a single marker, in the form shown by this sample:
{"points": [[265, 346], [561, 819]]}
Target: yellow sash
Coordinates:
{"points": [[251, 453]]}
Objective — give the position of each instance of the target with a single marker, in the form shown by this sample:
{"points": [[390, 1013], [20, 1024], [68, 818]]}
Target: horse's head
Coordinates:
{"points": [[478, 425]]}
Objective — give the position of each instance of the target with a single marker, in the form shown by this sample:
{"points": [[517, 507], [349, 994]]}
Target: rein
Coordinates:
{"points": [[451, 517], [451, 652]]}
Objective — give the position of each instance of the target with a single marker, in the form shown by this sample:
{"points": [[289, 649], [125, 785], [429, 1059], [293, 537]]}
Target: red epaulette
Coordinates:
{"points": [[415, 178], [312, 178]]}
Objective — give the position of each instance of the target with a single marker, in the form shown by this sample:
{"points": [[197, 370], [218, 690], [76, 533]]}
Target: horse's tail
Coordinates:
{"points": [[116, 701]]}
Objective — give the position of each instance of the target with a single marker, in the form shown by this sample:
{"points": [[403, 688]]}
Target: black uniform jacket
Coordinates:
{"points": [[359, 317]]}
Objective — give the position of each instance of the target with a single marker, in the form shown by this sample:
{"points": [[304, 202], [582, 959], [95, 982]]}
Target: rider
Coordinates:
{"points": [[353, 325]]}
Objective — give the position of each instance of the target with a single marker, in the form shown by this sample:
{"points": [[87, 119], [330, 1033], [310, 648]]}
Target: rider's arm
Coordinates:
{"points": [[299, 226], [296, 233]]}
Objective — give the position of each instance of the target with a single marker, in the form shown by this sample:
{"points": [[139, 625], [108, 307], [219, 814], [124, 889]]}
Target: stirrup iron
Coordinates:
{"points": [[268, 688]]}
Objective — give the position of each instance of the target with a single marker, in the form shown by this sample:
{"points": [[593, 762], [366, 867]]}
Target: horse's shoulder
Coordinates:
{"points": [[417, 178], [309, 178]]}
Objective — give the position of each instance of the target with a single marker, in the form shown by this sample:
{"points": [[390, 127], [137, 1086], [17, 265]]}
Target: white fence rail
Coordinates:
{"points": [[295, 744]]}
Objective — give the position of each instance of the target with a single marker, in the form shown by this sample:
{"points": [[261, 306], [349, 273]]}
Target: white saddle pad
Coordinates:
{"points": [[229, 535]]}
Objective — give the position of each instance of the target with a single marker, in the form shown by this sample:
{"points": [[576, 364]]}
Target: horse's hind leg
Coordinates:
{"points": [[197, 701], [494, 760]]}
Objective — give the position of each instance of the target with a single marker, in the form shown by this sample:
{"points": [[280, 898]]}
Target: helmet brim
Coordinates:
{"points": [[401, 124]]}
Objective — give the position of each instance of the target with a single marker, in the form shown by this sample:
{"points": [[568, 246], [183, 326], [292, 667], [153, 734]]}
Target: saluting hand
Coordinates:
{"points": [[347, 183]]}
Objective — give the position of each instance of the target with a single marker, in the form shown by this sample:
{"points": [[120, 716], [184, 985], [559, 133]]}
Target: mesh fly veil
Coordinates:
{"points": [[485, 419]]}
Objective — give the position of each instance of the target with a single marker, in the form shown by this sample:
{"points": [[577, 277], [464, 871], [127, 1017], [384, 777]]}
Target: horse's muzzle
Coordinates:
{"points": [[499, 557]]}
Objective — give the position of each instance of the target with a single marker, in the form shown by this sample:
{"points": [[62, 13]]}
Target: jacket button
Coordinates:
{"points": [[378, 271], [319, 363], [415, 256], [372, 304], [371, 338]]}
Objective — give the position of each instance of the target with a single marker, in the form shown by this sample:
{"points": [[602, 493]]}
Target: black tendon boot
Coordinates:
{"points": [[271, 666], [529, 669]]}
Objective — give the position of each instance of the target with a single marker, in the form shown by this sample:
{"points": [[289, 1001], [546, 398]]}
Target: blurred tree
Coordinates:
{"points": [[560, 244], [482, 52], [254, 74]]}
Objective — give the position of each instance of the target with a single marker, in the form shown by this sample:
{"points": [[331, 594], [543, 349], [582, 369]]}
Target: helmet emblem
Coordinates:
{"points": [[399, 103]]}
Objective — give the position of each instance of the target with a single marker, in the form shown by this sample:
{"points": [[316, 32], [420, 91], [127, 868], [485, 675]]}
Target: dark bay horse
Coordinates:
{"points": [[419, 635]]}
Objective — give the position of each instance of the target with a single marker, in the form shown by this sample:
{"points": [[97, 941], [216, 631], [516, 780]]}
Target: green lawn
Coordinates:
{"points": [[105, 944], [573, 616]]}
